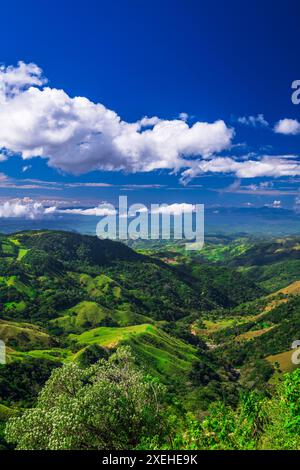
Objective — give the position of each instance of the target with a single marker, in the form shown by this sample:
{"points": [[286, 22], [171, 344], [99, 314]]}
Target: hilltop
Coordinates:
{"points": [[70, 297], [208, 325]]}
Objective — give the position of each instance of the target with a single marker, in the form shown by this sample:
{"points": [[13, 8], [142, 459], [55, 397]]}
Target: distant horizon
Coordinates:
{"points": [[263, 221]]}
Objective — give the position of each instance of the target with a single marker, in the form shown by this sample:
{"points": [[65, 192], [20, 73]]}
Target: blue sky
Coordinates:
{"points": [[226, 65]]}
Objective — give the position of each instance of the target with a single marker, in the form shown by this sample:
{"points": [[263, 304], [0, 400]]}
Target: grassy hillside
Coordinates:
{"points": [[66, 297], [162, 355], [209, 325]]}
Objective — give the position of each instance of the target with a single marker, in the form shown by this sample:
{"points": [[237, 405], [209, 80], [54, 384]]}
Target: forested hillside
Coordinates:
{"points": [[210, 331]]}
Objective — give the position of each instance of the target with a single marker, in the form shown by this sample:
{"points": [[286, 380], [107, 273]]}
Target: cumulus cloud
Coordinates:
{"points": [[104, 210], [25, 208], [274, 166], [253, 121], [149, 121], [28, 208], [174, 209], [287, 126], [77, 135], [15, 79], [98, 211]]}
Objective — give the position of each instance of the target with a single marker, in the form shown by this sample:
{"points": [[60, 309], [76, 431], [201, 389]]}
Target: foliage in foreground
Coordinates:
{"points": [[113, 405], [258, 423], [109, 405]]}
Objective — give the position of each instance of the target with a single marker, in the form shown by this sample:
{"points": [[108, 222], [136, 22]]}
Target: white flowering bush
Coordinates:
{"points": [[110, 405]]}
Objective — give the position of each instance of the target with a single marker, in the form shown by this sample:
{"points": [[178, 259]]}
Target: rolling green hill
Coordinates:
{"points": [[66, 297], [208, 325]]}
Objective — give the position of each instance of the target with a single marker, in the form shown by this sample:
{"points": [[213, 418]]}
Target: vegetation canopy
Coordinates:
{"points": [[110, 347]]}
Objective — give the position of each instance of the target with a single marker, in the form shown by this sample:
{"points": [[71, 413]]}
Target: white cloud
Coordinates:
{"points": [[4, 153], [175, 209], [98, 211], [284, 165], [287, 126], [276, 203], [15, 79], [148, 122], [77, 135], [26, 168], [26, 209], [254, 121], [102, 210], [87, 185], [262, 189]]}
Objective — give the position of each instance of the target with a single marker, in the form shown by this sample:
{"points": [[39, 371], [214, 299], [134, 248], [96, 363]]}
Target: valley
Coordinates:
{"points": [[210, 326]]}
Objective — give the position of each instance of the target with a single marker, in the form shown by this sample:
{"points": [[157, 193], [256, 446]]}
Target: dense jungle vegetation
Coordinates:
{"points": [[110, 347]]}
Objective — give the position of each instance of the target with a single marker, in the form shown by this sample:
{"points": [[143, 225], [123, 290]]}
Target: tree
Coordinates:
{"points": [[110, 405], [283, 428], [258, 422]]}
